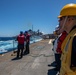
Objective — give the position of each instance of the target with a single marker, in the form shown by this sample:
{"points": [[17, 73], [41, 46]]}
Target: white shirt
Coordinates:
{"points": [[55, 45]]}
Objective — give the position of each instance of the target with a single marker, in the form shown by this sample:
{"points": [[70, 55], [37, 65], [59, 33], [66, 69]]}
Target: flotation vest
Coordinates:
{"points": [[21, 39], [60, 41], [66, 54], [28, 37]]}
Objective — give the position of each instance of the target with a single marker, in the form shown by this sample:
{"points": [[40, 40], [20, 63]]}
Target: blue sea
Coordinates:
{"points": [[8, 44]]}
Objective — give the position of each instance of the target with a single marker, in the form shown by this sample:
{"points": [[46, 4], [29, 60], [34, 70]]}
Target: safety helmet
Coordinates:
{"points": [[21, 32], [26, 31], [68, 10]]}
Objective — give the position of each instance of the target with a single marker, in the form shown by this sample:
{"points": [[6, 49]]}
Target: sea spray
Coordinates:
{"points": [[9, 44]]}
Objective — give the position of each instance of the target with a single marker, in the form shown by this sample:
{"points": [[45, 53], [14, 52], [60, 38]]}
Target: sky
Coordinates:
{"points": [[21, 15]]}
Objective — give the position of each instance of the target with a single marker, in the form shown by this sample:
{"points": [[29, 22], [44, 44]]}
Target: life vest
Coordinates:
{"points": [[21, 39], [28, 37], [60, 41], [66, 54]]}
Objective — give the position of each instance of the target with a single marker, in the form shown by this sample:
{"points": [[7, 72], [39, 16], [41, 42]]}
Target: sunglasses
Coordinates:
{"points": [[61, 18]]}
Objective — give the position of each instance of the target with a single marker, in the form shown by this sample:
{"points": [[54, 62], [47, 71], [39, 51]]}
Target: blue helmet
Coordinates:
{"points": [[21, 32], [26, 31]]}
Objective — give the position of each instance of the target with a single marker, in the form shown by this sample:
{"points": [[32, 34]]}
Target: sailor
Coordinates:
{"points": [[67, 19], [20, 39], [27, 40]]}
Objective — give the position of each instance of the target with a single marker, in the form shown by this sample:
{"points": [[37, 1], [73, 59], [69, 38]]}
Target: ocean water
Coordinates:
{"points": [[8, 44]]}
